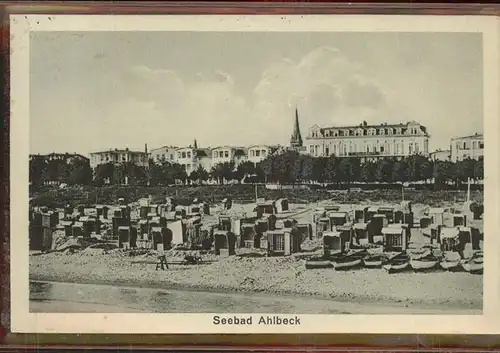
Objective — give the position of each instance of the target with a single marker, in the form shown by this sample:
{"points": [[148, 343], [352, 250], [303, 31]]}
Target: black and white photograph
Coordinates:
{"points": [[256, 175]]}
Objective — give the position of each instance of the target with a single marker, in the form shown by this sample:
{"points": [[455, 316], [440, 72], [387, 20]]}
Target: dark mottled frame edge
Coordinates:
{"points": [[205, 342]]}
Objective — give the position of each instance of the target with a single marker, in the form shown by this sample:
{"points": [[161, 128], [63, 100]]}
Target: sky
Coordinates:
{"points": [[92, 91]]}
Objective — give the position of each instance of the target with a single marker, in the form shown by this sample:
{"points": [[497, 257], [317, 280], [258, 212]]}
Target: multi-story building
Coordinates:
{"points": [[186, 156], [119, 156], [227, 154], [164, 154], [440, 155], [191, 158], [258, 153], [369, 141], [467, 147]]}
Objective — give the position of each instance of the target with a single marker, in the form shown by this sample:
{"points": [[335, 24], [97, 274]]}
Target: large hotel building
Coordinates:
{"points": [[369, 141]]}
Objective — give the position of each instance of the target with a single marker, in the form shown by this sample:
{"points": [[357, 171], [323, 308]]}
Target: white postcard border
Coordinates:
{"points": [[24, 321]]}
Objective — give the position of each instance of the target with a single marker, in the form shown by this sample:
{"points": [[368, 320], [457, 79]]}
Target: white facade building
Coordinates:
{"points": [[467, 147], [369, 141], [164, 154], [258, 153], [191, 158], [228, 154], [117, 156], [186, 156]]}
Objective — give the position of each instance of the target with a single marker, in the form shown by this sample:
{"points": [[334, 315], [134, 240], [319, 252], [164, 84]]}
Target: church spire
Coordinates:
{"points": [[296, 139], [195, 144]]}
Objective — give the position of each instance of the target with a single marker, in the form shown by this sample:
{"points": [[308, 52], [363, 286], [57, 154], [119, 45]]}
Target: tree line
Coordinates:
{"points": [[285, 168]]}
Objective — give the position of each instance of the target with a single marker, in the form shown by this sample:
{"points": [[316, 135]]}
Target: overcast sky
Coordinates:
{"points": [[100, 90]]}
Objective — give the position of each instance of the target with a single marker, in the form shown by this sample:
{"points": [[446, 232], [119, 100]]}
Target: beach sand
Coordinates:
{"points": [[283, 276], [280, 275]]}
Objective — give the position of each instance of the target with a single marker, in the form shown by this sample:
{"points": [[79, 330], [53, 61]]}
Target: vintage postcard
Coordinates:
{"points": [[254, 174]]}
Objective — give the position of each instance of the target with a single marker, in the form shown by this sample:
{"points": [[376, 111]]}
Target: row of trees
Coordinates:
{"points": [[286, 168], [291, 167], [75, 172]]}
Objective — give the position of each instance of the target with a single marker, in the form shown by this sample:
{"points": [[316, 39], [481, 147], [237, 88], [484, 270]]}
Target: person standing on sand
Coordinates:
{"points": [[162, 261]]}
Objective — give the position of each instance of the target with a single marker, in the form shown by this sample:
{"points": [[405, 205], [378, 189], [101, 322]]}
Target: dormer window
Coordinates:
{"points": [[381, 131], [336, 133], [389, 131]]}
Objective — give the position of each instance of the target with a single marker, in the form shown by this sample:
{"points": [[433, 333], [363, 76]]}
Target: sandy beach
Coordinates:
{"points": [[283, 276]]}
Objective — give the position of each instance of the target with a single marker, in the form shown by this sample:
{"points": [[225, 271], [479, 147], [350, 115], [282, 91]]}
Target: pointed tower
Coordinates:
{"points": [[195, 144], [146, 155], [296, 139]]}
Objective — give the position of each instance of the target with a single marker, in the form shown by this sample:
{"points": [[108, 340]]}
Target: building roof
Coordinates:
{"points": [[470, 137], [203, 152], [374, 126], [164, 147], [116, 150]]}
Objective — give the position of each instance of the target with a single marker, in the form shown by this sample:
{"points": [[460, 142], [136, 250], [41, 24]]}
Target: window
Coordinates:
{"points": [[481, 145], [410, 148], [279, 242], [252, 153], [311, 149], [389, 131], [335, 133], [263, 153], [327, 133], [226, 154], [188, 155], [381, 132], [382, 148], [183, 154], [327, 151], [257, 153], [465, 145]]}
